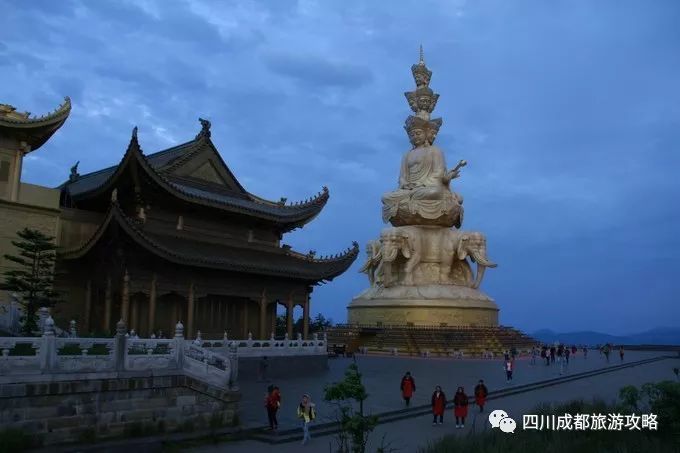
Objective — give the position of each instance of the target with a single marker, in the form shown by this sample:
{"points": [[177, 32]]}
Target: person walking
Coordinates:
{"points": [[481, 392], [552, 354], [460, 407], [534, 353], [545, 355], [508, 370], [438, 405], [307, 414], [606, 351], [408, 387], [585, 352], [262, 369], [621, 352], [567, 352], [272, 403]]}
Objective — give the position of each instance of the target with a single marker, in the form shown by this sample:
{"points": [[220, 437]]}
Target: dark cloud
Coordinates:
{"points": [[319, 72]]}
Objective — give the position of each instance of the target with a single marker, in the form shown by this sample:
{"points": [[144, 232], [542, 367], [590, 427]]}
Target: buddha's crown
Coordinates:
{"points": [[422, 101]]}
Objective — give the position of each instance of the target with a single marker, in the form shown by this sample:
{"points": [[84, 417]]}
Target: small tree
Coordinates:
{"points": [[34, 276], [356, 426], [319, 323]]}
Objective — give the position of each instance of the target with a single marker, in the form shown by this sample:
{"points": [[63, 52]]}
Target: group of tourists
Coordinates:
{"points": [[607, 348], [306, 411], [439, 401]]}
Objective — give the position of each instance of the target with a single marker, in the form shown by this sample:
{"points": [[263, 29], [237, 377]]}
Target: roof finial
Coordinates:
{"points": [[205, 128], [134, 132], [74, 173], [422, 56]]}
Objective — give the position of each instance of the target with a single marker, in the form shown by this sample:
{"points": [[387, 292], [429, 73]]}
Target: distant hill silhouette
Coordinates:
{"points": [[659, 335]]}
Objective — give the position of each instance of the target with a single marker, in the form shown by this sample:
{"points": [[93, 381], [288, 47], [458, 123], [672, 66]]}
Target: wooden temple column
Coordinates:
{"points": [[246, 305], [275, 306], [305, 317], [88, 306], [263, 316], [134, 314], [289, 317], [190, 311], [125, 298], [152, 305], [107, 305]]}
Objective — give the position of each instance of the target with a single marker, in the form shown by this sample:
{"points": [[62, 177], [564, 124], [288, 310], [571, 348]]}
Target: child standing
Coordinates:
{"points": [[306, 413]]}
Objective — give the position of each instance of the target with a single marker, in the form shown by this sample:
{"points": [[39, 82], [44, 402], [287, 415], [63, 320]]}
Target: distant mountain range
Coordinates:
{"points": [[659, 335]]}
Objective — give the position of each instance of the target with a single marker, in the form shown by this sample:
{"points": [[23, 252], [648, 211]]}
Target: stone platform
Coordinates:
{"points": [[425, 305]]}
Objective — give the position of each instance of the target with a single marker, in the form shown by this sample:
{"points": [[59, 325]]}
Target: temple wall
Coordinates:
{"points": [[15, 217], [95, 409], [77, 226]]}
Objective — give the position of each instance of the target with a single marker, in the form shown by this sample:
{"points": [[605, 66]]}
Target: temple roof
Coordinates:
{"points": [[279, 261], [217, 186], [35, 131]]}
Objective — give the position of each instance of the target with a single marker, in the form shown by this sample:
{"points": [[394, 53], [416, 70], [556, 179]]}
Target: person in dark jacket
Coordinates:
{"points": [[408, 387], [481, 392], [438, 405], [460, 407]]}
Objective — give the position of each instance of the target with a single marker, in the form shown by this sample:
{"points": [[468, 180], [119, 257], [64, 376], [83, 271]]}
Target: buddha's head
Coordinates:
{"points": [[417, 137], [422, 100], [422, 132]]}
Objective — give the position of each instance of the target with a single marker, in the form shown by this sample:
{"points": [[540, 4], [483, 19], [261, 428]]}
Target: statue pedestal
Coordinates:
{"points": [[423, 305]]}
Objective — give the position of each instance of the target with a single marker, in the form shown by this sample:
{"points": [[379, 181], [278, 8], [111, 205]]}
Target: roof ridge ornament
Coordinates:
{"points": [[74, 173], [205, 129]]}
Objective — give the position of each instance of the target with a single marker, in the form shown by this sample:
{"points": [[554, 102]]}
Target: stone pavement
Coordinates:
{"points": [[382, 376], [400, 435]]}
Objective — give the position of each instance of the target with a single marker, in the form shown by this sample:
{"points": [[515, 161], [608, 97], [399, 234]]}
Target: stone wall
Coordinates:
{"points": [[15, 217], [283, 367], [88, 410]]}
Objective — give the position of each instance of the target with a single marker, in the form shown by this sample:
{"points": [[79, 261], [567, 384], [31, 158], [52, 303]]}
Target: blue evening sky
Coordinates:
{"points": [[568, 113]]}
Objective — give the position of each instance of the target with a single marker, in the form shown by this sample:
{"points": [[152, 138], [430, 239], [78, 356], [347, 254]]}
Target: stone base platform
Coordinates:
{"points": [[423, 305]]}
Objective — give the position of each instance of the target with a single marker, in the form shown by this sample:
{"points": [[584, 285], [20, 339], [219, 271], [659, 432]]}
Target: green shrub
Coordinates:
{"points": [[15, 441], [87, 436]]}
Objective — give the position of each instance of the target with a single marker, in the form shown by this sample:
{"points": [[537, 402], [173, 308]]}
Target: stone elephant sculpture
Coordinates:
{"points": [[400, 240], [373, 265], [458, 245]]}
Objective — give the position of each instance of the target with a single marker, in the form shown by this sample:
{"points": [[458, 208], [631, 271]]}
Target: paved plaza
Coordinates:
{"points": [[382, 376]]}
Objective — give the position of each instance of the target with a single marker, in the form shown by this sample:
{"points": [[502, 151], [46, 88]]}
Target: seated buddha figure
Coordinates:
{"points": [[424, 196]]}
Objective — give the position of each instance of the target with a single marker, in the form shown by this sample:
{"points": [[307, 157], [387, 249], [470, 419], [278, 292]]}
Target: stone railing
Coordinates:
{"points": [[270, 347], [119, 356]]}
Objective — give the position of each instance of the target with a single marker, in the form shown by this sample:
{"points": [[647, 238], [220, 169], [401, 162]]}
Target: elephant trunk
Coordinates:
{"points": [[386, 273], [480, 275], [389, 255]]}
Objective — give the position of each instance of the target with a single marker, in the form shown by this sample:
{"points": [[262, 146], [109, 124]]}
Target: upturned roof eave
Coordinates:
{"points": [[117, 217]]}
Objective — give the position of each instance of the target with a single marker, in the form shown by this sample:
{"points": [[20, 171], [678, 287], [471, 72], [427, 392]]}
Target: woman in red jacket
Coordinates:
{"points": [[460, 407], [481, 393], [438, 405], [408, 386]]}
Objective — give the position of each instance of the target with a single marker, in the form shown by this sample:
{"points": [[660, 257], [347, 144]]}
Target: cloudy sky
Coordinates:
{"points": [[568, 113]]}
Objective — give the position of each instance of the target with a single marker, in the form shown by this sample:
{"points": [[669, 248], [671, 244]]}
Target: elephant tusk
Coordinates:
{"points": [[482, 261]]}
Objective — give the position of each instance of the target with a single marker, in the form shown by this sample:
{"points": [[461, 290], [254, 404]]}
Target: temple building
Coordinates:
{"points": [[173, 236]]}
